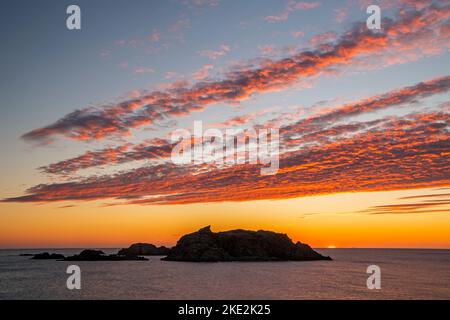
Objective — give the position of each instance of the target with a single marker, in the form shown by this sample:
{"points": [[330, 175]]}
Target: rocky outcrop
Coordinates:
{"points": [[98, 255], [47, 256], [240, 245], [144, 249]]}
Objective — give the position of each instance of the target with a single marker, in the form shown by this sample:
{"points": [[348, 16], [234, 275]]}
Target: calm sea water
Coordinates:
{"points": [[406, 274]]}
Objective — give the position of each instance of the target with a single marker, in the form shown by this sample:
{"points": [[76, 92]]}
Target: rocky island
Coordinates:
{"points": [[98, 255], [46, 256], [144, 249], [240, 245], [207, 246]]}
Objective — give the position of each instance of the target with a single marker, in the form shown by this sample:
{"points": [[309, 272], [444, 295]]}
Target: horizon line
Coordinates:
{"points": [[337, 248]]}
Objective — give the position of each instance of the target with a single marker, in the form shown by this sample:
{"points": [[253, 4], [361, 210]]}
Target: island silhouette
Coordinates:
{"points": [[207, 246]]}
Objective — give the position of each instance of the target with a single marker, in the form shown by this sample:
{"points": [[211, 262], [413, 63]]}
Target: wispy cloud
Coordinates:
{"points": [[402, 153], [341, 14], [439, 195], [429, 205], [314, 129], [153, 149], [322, 38], [141, 70], [211, 3], [327, 152], [266, 50], [410, 34], [292, 6], [297, 34], [203, 72], [215, 54], [378, 102], [155, 36]]}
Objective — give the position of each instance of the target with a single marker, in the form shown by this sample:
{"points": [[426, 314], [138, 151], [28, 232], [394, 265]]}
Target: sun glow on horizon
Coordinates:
{"points": [[318, 223]]}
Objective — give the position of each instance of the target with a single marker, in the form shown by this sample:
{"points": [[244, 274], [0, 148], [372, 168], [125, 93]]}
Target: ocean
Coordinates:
{"points": [[405, 274]]}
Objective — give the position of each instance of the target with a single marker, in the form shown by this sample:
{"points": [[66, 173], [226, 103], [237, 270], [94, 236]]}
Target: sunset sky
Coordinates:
{"points": [[363, 115]]}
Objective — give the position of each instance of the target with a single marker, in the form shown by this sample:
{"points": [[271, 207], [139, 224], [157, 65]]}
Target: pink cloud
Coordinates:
{"points": [[297, 34], [203, 73], [211, 3], [341, 14], [214, 54], [291, 7], [406, 36], [105, 53], [142, 70], [266, 50], [155, 36], [393, 154], [322, 38], [171, 75]]}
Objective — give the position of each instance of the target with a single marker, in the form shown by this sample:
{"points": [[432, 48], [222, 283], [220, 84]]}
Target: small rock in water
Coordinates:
{"points": [[144, 249], [47, 256], [98, 255]]}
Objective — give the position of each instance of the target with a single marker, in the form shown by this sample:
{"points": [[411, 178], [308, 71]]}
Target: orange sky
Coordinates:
{"points": [[362, 115], [320, 221]]}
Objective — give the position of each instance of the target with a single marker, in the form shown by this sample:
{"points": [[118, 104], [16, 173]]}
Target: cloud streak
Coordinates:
{"points": [[291, 7], [416, 32], [315, 129], [327, 152], [215, 54], [399, 153], [429, 205], [155, 149]]}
